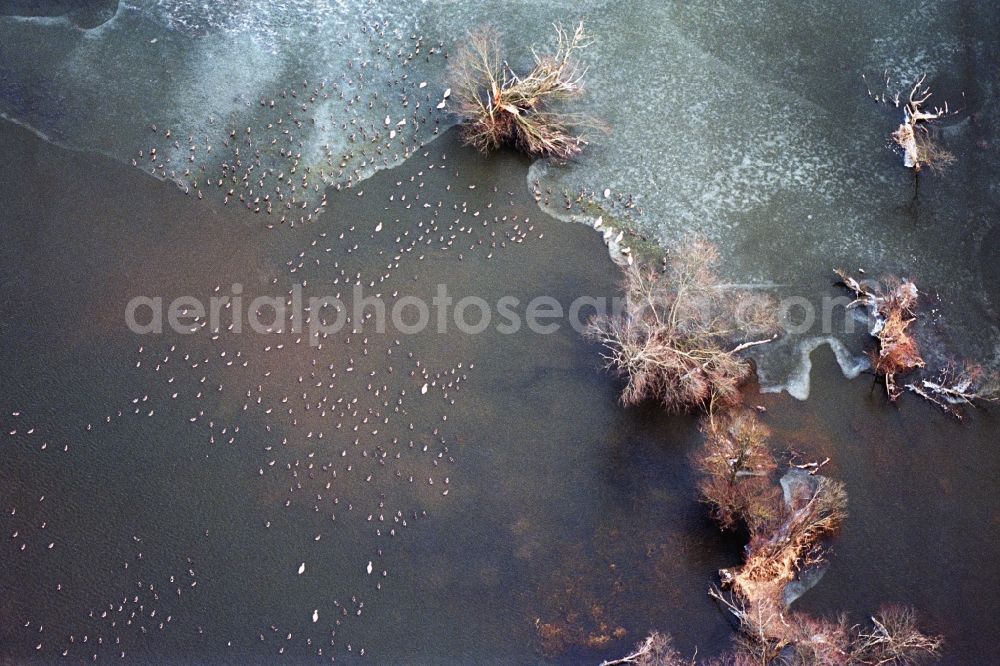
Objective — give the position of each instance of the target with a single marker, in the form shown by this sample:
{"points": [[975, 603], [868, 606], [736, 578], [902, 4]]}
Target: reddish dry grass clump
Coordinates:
{"points": [[769, 633], [672, 341], [814, 507], [502, 108], [786, 534], [675, 340], [892, 308], [736, 466], [787, 528]]}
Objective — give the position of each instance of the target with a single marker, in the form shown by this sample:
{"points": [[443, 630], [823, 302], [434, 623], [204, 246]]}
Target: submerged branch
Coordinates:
{"points": [[956, 387]]}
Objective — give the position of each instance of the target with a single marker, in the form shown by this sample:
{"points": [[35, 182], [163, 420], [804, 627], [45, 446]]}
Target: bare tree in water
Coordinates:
{"points": [[500, 107], [913, 135], [679, 337], [736, 466]]}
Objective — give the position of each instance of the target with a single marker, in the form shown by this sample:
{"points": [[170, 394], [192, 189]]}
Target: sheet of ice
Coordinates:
{"points": [[748, 125]]}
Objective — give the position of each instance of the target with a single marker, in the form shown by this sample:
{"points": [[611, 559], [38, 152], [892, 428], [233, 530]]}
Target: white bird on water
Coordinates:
{"points": [[315, 616], [302, 568], [369, 568]]}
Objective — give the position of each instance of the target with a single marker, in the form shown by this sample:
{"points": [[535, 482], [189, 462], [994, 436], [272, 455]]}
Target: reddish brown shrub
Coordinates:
{"points": [[675, 341]]}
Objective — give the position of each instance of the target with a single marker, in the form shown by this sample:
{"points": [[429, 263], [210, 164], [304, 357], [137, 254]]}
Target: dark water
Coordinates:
{"points": [[562, 508], [559, 500]]}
